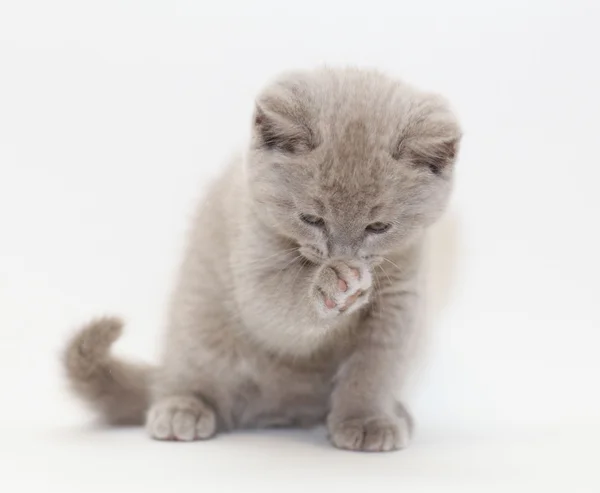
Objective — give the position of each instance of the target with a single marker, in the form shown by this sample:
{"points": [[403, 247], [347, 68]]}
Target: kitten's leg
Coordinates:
{"points": [[180, 409], [364, 412], [190, 389], [364, 415]]}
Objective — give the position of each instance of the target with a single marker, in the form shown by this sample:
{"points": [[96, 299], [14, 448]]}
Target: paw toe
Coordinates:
{"points": [[184, 424], [206, 425], [349, 436], [159, 425]]}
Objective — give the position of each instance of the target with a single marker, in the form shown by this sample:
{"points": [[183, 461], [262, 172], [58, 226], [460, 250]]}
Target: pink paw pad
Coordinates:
{"points": [[340, 287]]}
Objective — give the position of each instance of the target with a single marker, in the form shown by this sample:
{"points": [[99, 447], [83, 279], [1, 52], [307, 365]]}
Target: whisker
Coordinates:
{"points": [[264, 259], [242, 267], [379, 291], [388, 260], [290, 263], [300, 268], [302, 264], [386, 274]]}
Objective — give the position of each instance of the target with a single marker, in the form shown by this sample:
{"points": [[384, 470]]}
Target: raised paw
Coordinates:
{"points": [[376, 434], [341, 287], [181, 418]]}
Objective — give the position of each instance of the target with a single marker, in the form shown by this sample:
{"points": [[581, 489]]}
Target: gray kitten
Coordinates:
{"points": [[297, 296]]}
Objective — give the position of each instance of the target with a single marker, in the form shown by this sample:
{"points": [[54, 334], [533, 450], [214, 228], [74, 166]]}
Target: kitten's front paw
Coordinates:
{"points": [[341, 287], [374, 434], [181, 418]]}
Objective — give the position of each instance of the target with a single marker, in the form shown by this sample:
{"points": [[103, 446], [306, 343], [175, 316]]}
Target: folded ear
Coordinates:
{"points": [[431, 138], [436, 155], [282, 120]]}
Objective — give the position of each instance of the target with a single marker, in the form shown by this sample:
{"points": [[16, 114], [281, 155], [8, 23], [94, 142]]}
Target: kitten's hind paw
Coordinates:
{"points": [[182, 418]]}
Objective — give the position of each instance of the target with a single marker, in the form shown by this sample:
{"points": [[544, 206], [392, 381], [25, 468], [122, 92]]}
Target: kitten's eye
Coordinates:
{"points": [[378, 228], [312, 220]]}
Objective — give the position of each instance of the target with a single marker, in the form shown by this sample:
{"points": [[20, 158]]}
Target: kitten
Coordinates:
{"points": [[296, 300]]}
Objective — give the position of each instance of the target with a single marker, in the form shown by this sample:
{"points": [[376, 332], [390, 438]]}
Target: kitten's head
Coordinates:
{"points": [[350, 163]]}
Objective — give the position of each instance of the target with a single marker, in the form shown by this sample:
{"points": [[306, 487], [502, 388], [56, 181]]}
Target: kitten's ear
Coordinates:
{"points": [[436, 155], [431, 140], [282, 122]]}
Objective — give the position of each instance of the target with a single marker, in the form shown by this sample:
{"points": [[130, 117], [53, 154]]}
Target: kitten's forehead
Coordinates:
{"points": [[354, 142], [355, 171]]}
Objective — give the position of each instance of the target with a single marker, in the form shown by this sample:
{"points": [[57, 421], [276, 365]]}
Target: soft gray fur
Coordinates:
{"points": [[279, 322]]}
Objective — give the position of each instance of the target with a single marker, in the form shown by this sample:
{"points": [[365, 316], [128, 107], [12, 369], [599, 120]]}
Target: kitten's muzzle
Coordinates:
{"points": [[317, 256], [313, 253]]}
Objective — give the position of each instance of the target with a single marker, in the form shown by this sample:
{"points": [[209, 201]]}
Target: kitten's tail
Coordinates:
{"points": [[117, 390]]}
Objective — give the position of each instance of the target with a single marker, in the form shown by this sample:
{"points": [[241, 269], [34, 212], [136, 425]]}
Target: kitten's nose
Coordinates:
{"points": [[342, 250]]}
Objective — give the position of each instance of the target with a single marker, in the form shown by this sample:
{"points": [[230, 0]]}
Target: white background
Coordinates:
{"points": [[114, 114]]}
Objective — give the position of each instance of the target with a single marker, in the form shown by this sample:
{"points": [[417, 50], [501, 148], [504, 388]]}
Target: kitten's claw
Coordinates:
{"points": [[341, 287], [370, 434], [181, 418]]}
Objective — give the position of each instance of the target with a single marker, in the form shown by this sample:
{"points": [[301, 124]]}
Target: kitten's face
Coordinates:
{"points": [[352, 175]]}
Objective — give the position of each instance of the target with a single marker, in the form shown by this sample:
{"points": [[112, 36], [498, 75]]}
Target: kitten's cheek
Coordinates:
{"points": [[373, 260], [313, 254]]}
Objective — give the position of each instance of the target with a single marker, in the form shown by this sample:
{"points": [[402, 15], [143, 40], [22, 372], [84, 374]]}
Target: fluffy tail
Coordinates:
{"points": [[117, 390]]}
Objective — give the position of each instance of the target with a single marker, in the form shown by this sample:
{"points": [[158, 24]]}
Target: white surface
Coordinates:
{"points": [[114, 114], [67, 459]]}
